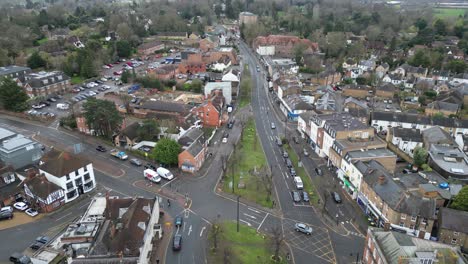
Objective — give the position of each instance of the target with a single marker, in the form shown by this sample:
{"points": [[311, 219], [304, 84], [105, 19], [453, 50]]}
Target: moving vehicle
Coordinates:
{"points": [[178, 221], [336, 197], [296, 197], [177, 244], [119, 154], [279, 142], [20, 206], [165, 173], [101, 149], [136, 162], [298, 182], [303, 228], [152, 175], [273, 126]]}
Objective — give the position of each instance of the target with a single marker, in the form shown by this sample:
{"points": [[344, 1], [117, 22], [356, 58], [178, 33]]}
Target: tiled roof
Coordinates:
{"points": [[60, 163], [282, 40], [164, 106], [41, 187], [455, 220], [408, 134]]}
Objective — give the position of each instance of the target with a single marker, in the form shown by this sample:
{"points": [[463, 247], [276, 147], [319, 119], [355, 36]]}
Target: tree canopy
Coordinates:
{"points": [[12, 97], [36, 61], [102, 116], [419, 156], [149, 130], [460, 201], [167, 151]]}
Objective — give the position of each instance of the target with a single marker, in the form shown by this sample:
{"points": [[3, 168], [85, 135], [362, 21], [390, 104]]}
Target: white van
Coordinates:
{"points": [[62, 106], [165, 173], [298, 182], [152, 175]]}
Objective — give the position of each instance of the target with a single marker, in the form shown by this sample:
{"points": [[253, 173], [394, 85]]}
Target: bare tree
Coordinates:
{"points": [[267, 180], [214, 233], [224, 164], [226, 255], [126, 101], [277, 239]]}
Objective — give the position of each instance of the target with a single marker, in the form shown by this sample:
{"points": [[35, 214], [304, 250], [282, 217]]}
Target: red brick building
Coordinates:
{"points": [[150, 48], [165, 72], [194, 150], [207, 44], [193, 64], [211, 112]]}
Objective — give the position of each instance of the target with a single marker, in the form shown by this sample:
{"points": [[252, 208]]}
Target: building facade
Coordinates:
{"points": [[46, 83], [17, 150]]}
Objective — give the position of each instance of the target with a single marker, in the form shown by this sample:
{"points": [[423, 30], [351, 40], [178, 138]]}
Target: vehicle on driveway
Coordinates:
{"points": [[101, 149], [336, 197], [177, 243], [295, 196], [31, 212], [303, 228], [20, 206], [6, 215], [119, 154], [178, 221], [152, 175], [165, 173], [136, 162]]}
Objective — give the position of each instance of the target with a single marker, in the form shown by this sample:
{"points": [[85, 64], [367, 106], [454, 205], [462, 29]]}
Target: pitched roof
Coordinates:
{"points": [[195, 148], [436, 135], [388, 87], [455, 220], [60, 163], [439, 105], [131, 131], [418, 119], [149, 45], [282, 40], [164, 106], [408, 134], [41, 187], [190, 136]]}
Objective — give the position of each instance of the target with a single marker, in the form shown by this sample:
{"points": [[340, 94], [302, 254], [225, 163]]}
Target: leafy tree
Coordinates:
{"points": [[124, 49], [457, 66], [420, 23], [36, 61], [12, 97], [167, 151], [149, 82], [124, 77], [460, 201], [438, 115], [420, 59], [149, 130], [87, 68], [419, 156], [197, 86], [102, 116], [298, 50], [440, 27]]}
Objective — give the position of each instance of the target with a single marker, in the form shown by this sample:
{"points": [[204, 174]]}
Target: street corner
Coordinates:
{"points": [[108, 169], [147, 185], [19, 218]]}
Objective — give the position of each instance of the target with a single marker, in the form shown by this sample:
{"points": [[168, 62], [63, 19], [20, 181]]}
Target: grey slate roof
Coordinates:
{"points": [[388, 87], [436, 135], [195, 148], [439, 105], [408, 134], [418, 119], [13, 69], [190, 136], [36, 80], [164, 106], [455, 220]]}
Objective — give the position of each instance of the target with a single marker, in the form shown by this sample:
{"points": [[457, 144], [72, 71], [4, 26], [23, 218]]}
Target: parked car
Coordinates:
{"points": [[288, 163], [303, 228], [296, 140], [285, 154], [31, 212], [19, 258], [101, 149], [136, 162], [295, 196], [20, 206], [165, 173], [279, 142], [318, 171], [6, 215], [36, 245], [293, 172], [6, 208], [177, 244], [306, 153], [178, 221], [273, 126], [298, 183], [225, 137], [150, 166], [336, 197], [231, 124], [305, 196]]}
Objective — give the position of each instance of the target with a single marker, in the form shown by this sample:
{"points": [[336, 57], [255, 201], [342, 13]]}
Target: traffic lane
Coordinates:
{"points": [[347, 248]]}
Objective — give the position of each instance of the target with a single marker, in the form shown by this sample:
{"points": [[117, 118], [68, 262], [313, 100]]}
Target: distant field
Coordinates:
{"points": [[449, 12]]}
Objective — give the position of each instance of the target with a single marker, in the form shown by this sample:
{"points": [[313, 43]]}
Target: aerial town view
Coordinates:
{"points": [[234, 131]]}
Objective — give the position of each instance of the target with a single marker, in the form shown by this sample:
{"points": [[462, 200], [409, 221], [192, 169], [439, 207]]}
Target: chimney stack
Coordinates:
{"points": [[386, 226], [381, 179]]}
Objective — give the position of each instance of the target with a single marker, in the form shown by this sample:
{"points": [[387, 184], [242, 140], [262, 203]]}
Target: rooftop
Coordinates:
{"points": [[60, 163], [454, 220], [359, 143], [450, 159], [408, 134], [418, 119], [369, 154], [10, 141], [12, 69]]}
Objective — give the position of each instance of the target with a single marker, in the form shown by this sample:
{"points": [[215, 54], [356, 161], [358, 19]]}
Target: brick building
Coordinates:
{"points": [[46, 83], [194, 147], [284, 45], [150, 48], [453, 228]]}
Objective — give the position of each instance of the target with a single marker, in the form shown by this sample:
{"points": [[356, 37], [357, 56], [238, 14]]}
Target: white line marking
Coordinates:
{"points": [[183, 227], [125, 165], [252, 209], [247, 223], [186, 213], [168, 182], [251, 216], [201, 232], [190, 230], [84, 205], [58, 219], [262, 221]]}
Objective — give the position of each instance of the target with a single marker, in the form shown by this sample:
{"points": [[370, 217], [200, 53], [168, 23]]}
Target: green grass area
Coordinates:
{"points": [[449, 12], [247, 157], [247, 246], [77, 79], [245, 88], [308, 186], [42, 41]]}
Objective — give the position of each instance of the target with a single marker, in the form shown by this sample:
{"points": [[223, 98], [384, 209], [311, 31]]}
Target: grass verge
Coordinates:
{"points": [[77, 79], [245, 88], [247, 246], [449, 12], [247, 156], [42, 41], [300, 171]]}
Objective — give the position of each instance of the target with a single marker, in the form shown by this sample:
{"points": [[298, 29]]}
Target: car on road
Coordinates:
{"points": [[31, 212], [225, 138], [285, 154], [336, 197], [20, 206], [273, 126], [136, 162], [292, 171], [318, 171], [101, 149], [306, 153], [230, 124], [43, 239], [177, 243], [6, 215], [178, 221], [19, 258], [303, 228], [279, 142], [288, 163], [165, 173], [152, 175], [296, 196], [305, 196], [296, 140], [298, 182]]}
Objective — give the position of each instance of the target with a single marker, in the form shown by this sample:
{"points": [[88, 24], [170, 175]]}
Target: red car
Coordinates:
{"points": [[110, 65], [116, 73], [116, 62], [130, 64]]}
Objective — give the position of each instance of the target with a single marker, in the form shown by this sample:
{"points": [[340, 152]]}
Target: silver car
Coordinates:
{"points": [[303, 228], [136, 162]]}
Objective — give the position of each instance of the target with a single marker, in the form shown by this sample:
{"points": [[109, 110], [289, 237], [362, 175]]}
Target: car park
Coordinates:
{"points": [[31, 212], [303, 228], [296, 196], [336, 197], [136, 162], [178, 221], [20, 206], [305, 196], [101, 149], [177, 243]]}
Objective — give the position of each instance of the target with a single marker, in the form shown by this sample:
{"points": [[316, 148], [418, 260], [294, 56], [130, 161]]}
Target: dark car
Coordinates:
{"points": [[406, 171], [305, 197], [20, 258], [231, 124], [296, 140], [150, 166], [336, 197], [178, 221], [6, 215], [318, 171], [45, 102], [101, 149], [36, 245], [177, 244], [296, 196], [43, 239], [293, 172], [285, 154], [288, 163]]}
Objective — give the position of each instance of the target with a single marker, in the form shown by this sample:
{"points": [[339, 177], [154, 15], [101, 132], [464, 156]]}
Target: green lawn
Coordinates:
{"points": [[308, 187], [248, 156], [77, 79], [449, 12], [42, 41], [245, 87], [247, 246]]}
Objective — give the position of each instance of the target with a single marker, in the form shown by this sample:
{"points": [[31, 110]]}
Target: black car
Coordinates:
{"points": [[296, 196], [20, 258], [45, 102], [43, 239], [336, 197], [101, 149], [36, 245], [98, 81], [6, 214], [305, 197], [230, 124], [318, 171], [293, 172], [150, 166], [177, 244], [178, 221]]}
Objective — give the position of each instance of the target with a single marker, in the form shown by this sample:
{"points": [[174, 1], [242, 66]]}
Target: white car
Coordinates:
{"points": [[20, 206], [165, 173], [105, 67], [31, 212], [6, 208]]}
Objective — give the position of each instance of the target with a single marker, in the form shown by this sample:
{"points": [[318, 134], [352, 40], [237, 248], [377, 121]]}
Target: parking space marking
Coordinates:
{"points": [[251, 216], [263, 221], [245, 222]]}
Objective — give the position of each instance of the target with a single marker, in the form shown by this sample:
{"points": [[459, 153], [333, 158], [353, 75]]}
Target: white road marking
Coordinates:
{"points": [[168, 182], [247, 223], [186, 213], [201, 232], [251, 216], [183, 227], [58, 219], [190, 230], [262, 221], [252, 209]]}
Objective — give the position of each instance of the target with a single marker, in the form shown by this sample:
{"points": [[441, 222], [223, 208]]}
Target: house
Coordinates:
{"points": [[357, 90], [192, 63], [164, 72], [447, 109], [225, 87], [74, 174], [147, 49], [17, 150], [162, 110], [382, 69], [128, 136], [222, 64], [440, 75], [357, 108], [349, 64], [461, 78], [211, 112], [405, 139], [207, 44], [367, 65], [395, 79], [452, 227], [449, 161], [232, 76], [14, 72], [384, 246], [9, 185], [411, 71], [43, 194], [46, 83], [390, 203], [326, 103], [247, 18], [194, 151], [75, 42], [386, 90], [284, 45], [437, 136], [327, 77], [293, 105]]}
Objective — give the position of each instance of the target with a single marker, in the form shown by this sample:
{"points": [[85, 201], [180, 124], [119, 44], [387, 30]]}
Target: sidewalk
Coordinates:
{"points": [[161, 245]]}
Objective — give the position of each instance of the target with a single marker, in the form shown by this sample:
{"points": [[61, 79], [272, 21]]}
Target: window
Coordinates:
{"points": [[424, 221], [402, 224], [403, 216], [454, 241], [413, 218], [69, 185], [68, 177], [77, 173], [374, 253], [456, 233], [411, 226]]}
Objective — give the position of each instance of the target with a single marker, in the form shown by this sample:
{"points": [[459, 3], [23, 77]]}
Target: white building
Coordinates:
{"points": [[74, 174], [406, 139], [266, 50]]}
